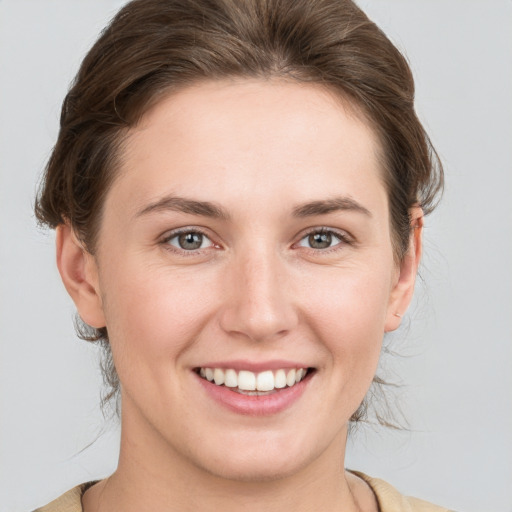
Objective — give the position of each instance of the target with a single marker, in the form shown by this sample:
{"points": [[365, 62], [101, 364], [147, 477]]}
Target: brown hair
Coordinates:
{"points": [[152, 47]]}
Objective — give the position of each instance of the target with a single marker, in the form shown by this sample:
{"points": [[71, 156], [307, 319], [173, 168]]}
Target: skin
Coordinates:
{"points": [[255, 291]]}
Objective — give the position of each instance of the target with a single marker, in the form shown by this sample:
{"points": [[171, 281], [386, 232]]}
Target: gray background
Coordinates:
{"points": [[456, 350]]}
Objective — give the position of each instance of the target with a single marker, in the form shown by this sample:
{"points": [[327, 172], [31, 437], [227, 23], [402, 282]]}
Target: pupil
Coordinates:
{"points": [[190, 241], [320, 240]]}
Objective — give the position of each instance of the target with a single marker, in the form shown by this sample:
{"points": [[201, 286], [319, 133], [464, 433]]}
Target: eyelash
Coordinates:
{"points": [[184, 252], [343, 237]]}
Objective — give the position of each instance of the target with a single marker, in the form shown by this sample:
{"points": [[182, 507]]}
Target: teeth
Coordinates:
{"points": [[290, 378], [218, 376], [245, 380], [265, 381], [231, 380], [280, 379]]}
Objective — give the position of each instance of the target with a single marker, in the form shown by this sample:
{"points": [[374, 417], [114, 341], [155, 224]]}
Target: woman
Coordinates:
{"points": [[238, 190]]}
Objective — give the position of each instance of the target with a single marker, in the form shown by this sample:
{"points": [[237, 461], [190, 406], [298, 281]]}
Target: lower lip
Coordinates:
{"points": [[263, 405]]}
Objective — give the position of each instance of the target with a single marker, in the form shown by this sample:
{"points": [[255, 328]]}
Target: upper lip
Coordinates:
{"points": [[254, 366]]}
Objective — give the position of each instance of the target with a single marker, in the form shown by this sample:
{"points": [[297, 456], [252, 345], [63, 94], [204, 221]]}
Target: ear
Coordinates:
{"points": [[79, 273], [403, 289]]}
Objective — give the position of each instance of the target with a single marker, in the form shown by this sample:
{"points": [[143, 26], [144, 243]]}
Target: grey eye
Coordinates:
{"points": [[320, 240], [190, 241]]}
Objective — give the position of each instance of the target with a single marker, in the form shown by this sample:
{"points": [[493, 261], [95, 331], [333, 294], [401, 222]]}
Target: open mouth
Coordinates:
{"points": [[254, 384]]}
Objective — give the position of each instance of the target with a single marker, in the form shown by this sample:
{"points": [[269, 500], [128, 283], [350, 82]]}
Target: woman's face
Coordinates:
{"points": [[247, 230]]}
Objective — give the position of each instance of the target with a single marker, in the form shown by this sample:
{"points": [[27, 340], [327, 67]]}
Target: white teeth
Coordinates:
{"points": [[218, 376], [231, 380], [245, 380], [265, 381], [280, 379]]}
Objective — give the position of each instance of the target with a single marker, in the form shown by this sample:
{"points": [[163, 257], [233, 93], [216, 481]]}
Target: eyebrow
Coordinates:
{"points": [[181, 204], [328, 206], [210, 209]]}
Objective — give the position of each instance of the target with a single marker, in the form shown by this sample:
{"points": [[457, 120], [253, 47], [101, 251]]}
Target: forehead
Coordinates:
{"points": [[248, 137]]}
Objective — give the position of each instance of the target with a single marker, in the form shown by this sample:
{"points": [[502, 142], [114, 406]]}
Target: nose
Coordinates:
{"points": [[258, 298]]}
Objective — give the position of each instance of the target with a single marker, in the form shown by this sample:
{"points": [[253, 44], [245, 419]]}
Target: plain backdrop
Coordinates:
{"points": [[455, 346]]}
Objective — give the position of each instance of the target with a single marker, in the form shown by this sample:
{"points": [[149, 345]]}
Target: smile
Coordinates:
{"points": [[251, 383]]}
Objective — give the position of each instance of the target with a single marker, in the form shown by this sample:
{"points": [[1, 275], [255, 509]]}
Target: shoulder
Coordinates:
{"points": [[390, 500], [71, 501]]}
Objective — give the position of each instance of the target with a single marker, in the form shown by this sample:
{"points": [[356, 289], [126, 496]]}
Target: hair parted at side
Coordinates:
{"points": [[153, 47]]}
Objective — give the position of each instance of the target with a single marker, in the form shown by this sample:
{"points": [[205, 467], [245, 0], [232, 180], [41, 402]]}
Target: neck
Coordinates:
{"points": [[153, 476]]}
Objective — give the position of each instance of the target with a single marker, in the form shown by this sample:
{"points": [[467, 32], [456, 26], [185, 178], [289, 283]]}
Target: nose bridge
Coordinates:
{"points": [[259, 304]]}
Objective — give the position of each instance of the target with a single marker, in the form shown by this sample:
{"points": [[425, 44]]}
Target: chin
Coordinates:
{"points": [[250, 470], [264, 460]]}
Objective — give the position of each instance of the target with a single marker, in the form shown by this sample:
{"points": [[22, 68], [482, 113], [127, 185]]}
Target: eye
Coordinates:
{"points": [[321, 239], [189, 241]]}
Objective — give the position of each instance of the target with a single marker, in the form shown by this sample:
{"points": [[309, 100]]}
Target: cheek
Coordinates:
{"points": [[349, 316], [152, 316]]}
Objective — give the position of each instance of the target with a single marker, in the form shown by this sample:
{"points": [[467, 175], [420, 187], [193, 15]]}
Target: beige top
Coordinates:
{"points": [[389, 499]]}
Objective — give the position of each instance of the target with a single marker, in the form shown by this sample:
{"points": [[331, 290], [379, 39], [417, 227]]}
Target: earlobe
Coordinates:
{"points": [[403, 290], [79, 274]]}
